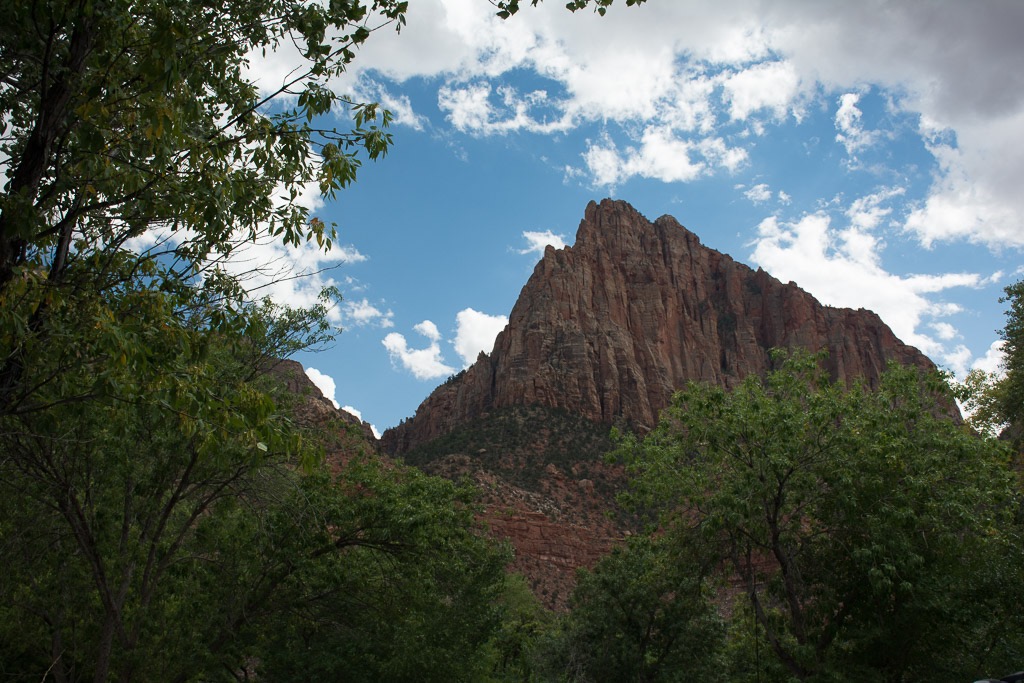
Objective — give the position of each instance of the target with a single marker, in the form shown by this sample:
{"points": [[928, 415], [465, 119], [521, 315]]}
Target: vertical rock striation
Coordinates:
{"points": [[609, 328]]}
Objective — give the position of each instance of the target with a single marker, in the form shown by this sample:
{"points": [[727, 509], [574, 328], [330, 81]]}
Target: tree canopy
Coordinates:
{"points": [[1012, 407], [995, 400], [136, 142], [868, 535], [642, 614], [162, 514]]}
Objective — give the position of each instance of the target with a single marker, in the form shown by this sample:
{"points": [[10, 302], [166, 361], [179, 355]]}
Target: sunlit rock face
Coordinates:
{"points": [[609, 328]]}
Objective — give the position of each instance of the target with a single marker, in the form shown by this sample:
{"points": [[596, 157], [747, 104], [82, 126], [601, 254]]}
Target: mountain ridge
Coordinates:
{"points": [[610, 327]]}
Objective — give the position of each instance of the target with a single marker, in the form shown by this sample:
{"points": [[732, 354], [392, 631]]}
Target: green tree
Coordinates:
{"points": [[1011, 404], [122, 118], [131, 417], [642, 614], [101, 497], [995, 401], [411, 596], [869, 532], [186, 528]]}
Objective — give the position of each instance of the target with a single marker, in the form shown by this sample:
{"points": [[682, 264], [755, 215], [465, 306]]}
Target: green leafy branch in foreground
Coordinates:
{"points": [[506, 8]]}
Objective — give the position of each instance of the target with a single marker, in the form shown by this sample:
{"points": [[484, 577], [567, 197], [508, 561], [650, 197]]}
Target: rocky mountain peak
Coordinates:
{"points": [[609, 328]]}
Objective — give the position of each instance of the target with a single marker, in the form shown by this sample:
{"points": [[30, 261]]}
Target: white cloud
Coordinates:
{"points": [[867, 212], [425, 363], [603, 162], [851, 133], [475, 333], [362, 312], [537, 241], [697, 67], [661, 155], [976, 194], [323, 382], [717, 152], [945, 331], [956, 360], [369, 90], [769, 85], [841, 267], [468, 107], [429, 330], [923, 53], [758, 193], [992, 361], [688, 106], [472, 109], [289, 275]]}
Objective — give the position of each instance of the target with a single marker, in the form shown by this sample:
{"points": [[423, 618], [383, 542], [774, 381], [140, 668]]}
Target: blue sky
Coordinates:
{"points": [[872, 152]]}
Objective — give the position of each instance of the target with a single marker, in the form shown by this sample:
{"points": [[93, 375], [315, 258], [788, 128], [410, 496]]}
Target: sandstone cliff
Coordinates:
{"points": [[344, 434], [609, 328]]}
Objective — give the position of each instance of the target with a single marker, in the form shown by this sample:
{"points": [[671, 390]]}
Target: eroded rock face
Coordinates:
{"points": [[609, 328], [313, 410]]}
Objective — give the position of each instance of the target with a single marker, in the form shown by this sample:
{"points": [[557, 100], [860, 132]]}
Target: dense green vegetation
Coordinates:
{"points": [[519, 442], [162, 516], [996, 400], [806, 531]]}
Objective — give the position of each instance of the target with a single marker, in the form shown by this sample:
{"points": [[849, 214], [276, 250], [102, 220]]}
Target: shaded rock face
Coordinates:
{"points": [[554, 527], [543, 487], [314, 411], [609, 328]]}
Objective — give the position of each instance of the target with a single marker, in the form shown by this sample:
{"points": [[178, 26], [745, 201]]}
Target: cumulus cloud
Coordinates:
{"points": [[695, 68], [467, 107], [323, 382], [852, 135], [662, 154], [867, 212], [538, 241], [367, 89], [424, 363], [771, 86], [429, 330], [292, 276], [362, 312], [976, 194], [759, 193], [475, 333], [992, 361], [472, 109], [945, 331], [289, 275], [841, 266]]}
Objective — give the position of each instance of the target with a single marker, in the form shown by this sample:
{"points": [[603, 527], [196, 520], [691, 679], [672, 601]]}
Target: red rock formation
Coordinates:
{"points": [[609, 328], [314, 411]]}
